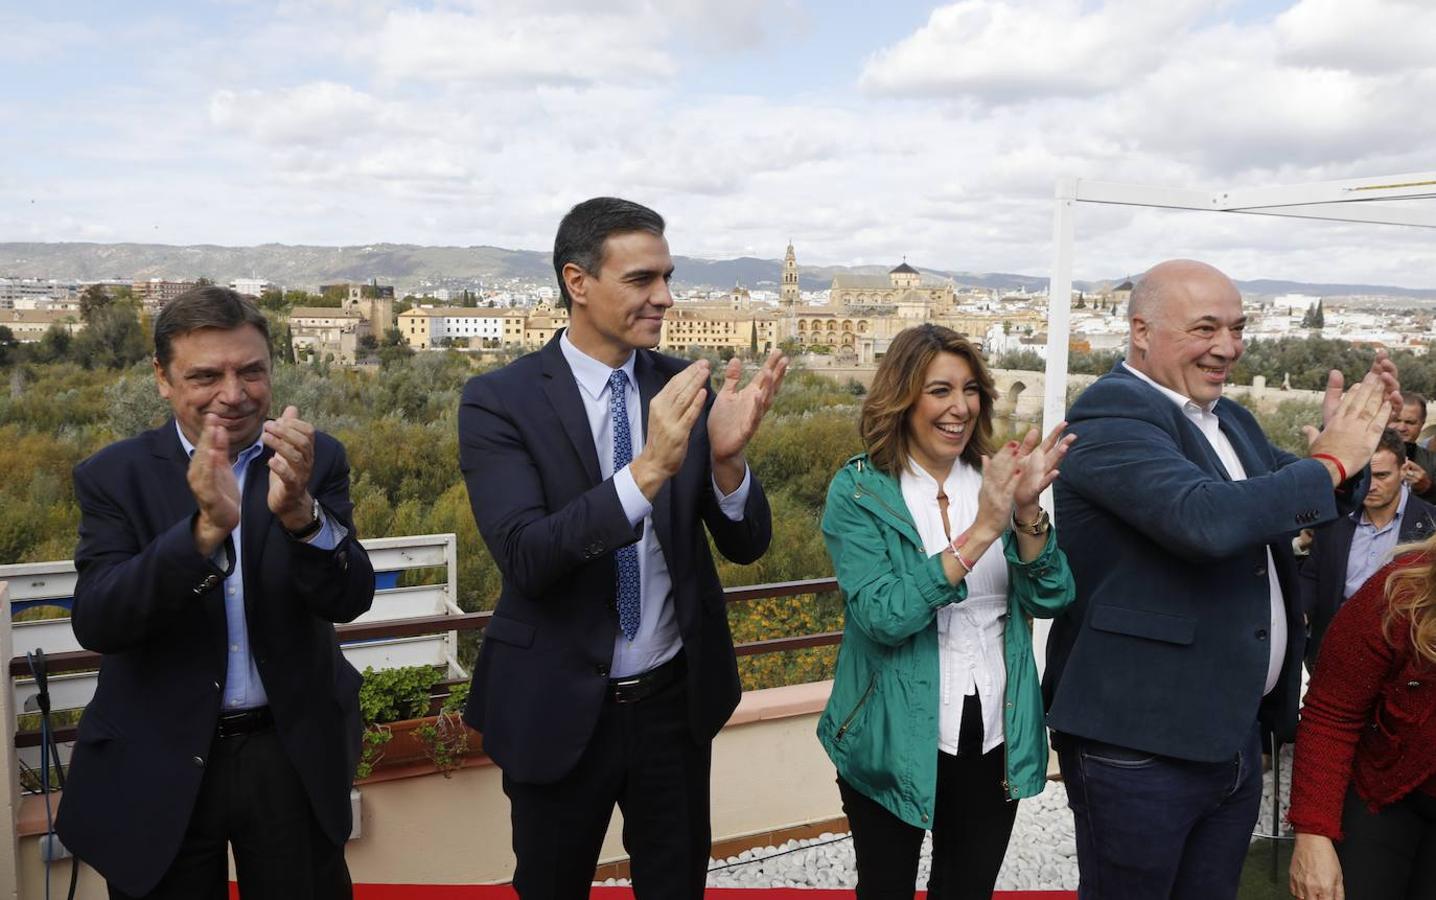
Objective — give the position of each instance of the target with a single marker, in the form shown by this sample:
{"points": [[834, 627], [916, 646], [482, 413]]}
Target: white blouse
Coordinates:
{"points": [[970, 633]]}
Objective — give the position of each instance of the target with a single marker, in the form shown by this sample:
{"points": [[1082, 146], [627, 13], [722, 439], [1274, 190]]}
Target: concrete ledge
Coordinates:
{"points": [[781, 702]]}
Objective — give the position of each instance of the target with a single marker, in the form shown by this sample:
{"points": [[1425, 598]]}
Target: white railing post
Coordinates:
{"points": [[10, 779]]}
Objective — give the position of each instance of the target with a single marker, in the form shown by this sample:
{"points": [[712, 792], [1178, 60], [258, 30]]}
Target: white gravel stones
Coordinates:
{"points": [[1042, 854]]}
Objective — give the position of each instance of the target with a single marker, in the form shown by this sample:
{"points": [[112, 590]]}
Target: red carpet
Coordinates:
{"points": [[504, 892], [463, 892]]}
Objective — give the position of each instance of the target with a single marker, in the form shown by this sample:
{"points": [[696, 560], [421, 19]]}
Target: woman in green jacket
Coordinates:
{"points": [[935, 719]]}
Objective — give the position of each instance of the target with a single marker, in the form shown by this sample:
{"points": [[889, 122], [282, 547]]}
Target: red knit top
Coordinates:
{"points": [[1367, 717]]}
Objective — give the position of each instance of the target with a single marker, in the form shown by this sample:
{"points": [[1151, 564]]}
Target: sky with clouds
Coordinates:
{"points": [[864, 132]]}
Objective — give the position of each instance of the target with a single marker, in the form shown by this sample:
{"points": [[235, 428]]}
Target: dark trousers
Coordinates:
{"points": [[643, 758], [970, 827], [1157, 827], [1389, 854], [251, 798]]}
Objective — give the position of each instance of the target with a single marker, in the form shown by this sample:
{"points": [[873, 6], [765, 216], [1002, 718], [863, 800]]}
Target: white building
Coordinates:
{"points": [[32, 293], [1296, 304], [478, 328], [252, 287]]}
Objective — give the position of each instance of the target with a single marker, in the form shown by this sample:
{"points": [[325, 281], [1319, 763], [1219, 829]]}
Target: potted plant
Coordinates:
{"points": [[398, 729]]}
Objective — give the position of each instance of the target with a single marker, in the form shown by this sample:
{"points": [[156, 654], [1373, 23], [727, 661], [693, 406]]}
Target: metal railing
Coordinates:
{"points": [[409, 624]]}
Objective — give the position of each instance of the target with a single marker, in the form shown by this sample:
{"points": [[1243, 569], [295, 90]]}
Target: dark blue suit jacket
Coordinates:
{"points": [[155, 608], [1167, 646], [552, 525]]}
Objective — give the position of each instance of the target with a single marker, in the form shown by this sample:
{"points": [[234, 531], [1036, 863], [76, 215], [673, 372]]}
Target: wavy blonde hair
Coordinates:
{"points": [[897, 385], [1411, 596]]}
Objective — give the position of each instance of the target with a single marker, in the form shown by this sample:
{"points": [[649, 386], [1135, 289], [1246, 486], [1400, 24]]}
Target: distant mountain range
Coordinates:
{"points": [[409, 266]]}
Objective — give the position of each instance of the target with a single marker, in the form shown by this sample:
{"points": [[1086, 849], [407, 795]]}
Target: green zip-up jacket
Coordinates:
{"points": [[880, 724]]}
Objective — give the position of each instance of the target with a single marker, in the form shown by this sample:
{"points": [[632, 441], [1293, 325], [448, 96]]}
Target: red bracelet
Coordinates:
{"points": [[1340, 469]]}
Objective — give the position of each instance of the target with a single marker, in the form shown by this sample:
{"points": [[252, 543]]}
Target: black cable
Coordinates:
{"points": [[749, 862], [49, 750]]}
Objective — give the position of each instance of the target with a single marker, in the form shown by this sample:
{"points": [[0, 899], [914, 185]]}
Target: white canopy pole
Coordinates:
{"points": [[1059, 306]]}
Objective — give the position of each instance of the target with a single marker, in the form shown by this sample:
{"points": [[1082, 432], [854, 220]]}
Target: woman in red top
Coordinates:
{"points": [[1363, 795]]}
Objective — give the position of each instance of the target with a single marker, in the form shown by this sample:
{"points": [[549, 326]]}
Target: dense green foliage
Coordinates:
{"points": [[399, 425]]}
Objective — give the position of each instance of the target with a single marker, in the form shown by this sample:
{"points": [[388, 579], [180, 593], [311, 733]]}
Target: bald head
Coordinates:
{"points": [[1186, 328], [1164, 279]]}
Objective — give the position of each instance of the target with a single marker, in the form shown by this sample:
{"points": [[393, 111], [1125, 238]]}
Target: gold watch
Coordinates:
{"points": [[1036, 528]]}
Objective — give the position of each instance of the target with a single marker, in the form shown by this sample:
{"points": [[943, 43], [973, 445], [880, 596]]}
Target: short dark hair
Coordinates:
{"points": [[897, 386], [582, 232], [208, 306], [1392, 443], [1409, 398]]}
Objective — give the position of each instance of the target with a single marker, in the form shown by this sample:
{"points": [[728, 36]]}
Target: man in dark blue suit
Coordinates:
{"points": [[215, 553], [597, 469], [1177, 516]]}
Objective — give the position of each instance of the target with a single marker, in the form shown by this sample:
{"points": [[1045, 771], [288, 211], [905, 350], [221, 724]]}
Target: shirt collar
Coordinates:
{"points": [[244, 457], [592, 376], [924, 478], [1183, 402]]}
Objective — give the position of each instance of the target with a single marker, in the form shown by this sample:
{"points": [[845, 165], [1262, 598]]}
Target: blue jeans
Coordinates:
{"points": [[1151, 827]]}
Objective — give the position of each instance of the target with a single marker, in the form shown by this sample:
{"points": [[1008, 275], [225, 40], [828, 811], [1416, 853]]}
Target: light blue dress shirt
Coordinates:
{"points": [[1371, 546], [658, 639], [243, 688]]}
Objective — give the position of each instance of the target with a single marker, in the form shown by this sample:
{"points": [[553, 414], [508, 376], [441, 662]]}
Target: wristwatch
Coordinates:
{"points": [[316, 522], [1038, 527]]}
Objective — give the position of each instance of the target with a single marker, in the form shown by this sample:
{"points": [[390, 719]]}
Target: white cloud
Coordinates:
{"points": [[1383, 36], [991, 51], [522, 47], [483, 121], [319, 113]]}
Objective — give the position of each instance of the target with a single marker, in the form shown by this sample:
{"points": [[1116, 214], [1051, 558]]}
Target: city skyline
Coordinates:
{"points": [[934, 132]]}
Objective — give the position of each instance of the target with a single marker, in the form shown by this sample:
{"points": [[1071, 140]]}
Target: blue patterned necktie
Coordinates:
{"points": [[626, 556]]}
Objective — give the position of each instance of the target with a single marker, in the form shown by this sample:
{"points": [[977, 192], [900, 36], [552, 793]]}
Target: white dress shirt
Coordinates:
{"points": [[1211, 428], [658, 639], [969, 634]]}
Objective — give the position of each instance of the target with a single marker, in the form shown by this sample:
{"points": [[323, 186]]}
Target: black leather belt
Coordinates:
{"points": [[640, 687], [245, 721]]}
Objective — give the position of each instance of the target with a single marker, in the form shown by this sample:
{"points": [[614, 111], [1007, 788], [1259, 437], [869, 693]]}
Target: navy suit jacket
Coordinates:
{"points": [[1167, 646], [1323, 572], [552, 525], [154, 607]]}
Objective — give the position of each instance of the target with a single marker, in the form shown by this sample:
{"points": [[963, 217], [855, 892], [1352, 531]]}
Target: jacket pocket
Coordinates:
{"points": [[847, 723], [509, 631], [1144, 624], [94, 729]]}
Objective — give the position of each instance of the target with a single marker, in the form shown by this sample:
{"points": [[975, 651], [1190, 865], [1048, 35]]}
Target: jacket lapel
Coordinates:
{"points": [[562, 393], [172, 467], [1252, 463]]}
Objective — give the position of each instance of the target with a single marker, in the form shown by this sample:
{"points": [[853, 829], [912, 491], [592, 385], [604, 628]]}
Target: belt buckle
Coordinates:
{"points": [[627, 690]]}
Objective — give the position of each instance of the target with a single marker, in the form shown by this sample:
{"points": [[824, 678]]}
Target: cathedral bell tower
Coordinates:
{"points": [[788, 293]]}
